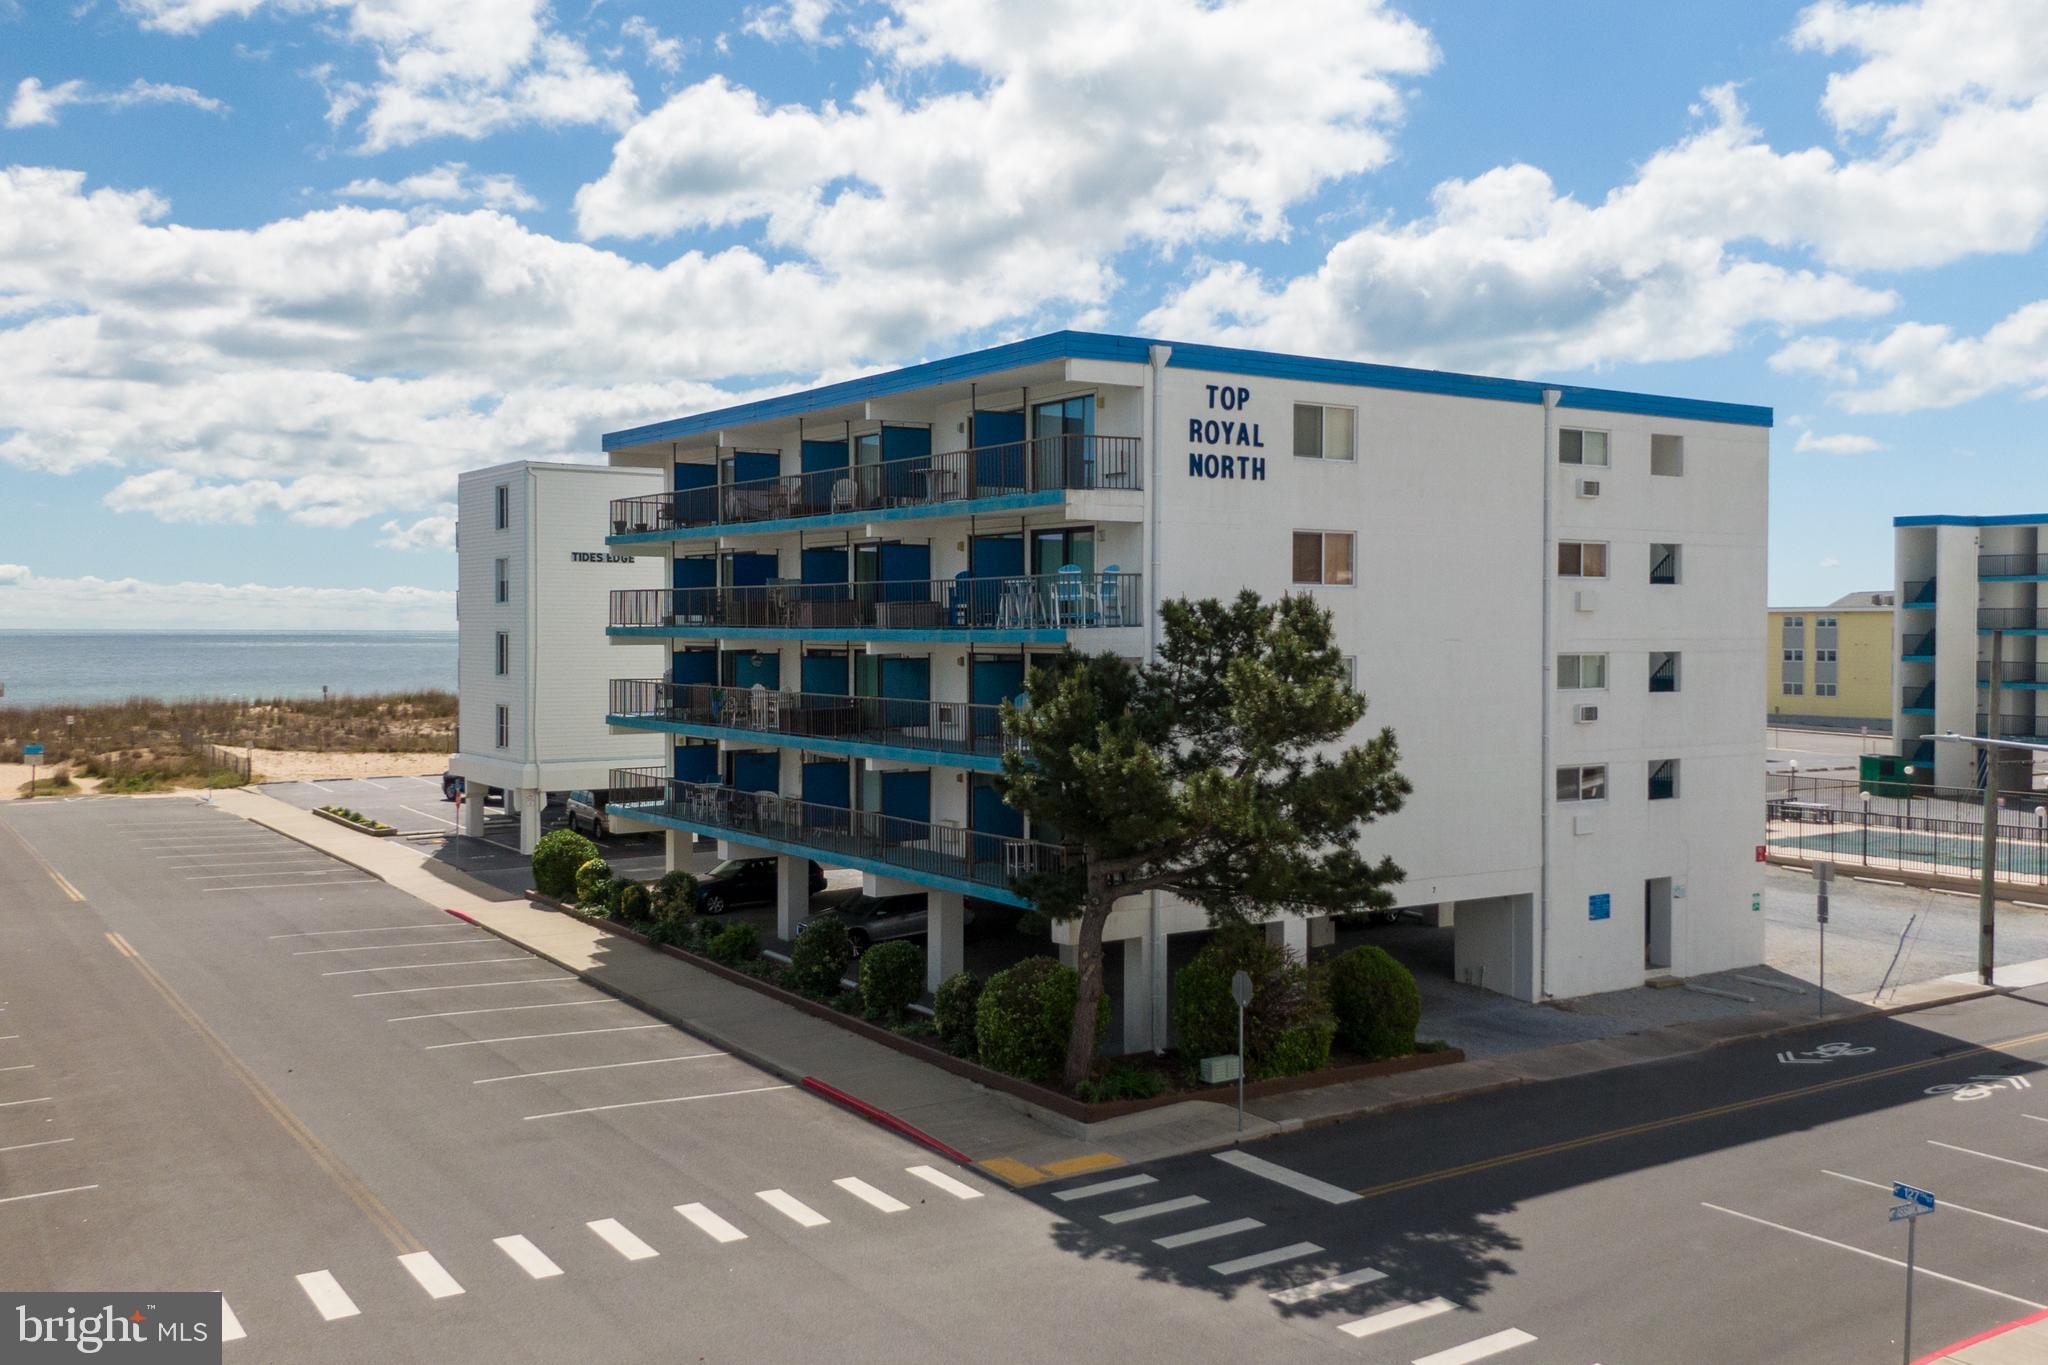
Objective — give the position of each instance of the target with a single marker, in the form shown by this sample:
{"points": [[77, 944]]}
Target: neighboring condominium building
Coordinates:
{"points": [[1834, 664], [1550, 593]]}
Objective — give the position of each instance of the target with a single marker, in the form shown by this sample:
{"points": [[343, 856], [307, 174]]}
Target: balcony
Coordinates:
{"points": [[2015, 727], [2014, 673], [1918, 649], [945, 856], [1917, 701], [1033, 609], [1917, 592], [2023, 620], [922, 485], [2012, 568], [966, 735]]}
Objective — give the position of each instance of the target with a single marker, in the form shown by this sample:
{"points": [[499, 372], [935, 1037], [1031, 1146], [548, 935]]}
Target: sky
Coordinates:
{"points": [[272, 272]]}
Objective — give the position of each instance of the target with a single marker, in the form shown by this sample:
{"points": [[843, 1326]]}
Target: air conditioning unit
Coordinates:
{"points": [[1585, 715], [1589, 488], [1585, 599]]}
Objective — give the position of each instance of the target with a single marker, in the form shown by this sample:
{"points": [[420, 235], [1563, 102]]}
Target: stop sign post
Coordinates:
{"points": [[1241, 992]]}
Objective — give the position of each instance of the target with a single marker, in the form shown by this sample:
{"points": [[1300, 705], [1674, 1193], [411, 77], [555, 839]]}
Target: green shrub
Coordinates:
{"points": [[1024, 1014], [735, 944], [555, 860], [1122, 1081], [693, 935], [591, 880], [636, 903], [820, 958], [953, 1008], [891, 977], [1286, 995], [1305, 1047], [675, 895], [1375, 1001], [614, 890]]}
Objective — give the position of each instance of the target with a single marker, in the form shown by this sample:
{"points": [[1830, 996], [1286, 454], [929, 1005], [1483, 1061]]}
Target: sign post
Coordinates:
{"points": [[1241, 992], [32, 754], [1917, 1203], [1823, 873]]}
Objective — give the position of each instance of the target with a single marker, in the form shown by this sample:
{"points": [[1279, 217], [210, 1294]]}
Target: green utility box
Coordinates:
{"points": [[1886, 775]]}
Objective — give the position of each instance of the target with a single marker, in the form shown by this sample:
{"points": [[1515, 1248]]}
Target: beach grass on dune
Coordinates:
{"points": [[146, 744]]}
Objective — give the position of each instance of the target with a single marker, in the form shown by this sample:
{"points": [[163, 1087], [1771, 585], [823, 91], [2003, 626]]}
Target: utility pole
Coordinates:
{"points": [[1985, 899]]}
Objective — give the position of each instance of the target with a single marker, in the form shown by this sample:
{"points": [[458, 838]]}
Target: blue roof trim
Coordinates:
{"points": [[2038, 519], [1186, 356]]}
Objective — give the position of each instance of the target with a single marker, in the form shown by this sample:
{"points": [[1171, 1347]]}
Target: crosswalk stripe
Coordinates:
{"points": [[230, 1325], [528, 1257], [959, 1189], [621, 1240], [1192, 1201], [327, 1295], [793, 1208], [710, 1223], [1480, 1349], [422, 1266], [1259, 1260], [1389, 1318], [868, 1194], [1335, 1284], [1208, 1234], [1128, 1182], [1293, 1180]]}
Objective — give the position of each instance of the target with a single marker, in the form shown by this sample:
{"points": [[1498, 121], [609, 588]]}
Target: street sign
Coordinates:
{"points": [[1911, 1195], [1918, 1202], [1902, 1211], [31, 753], [1241, 988]]}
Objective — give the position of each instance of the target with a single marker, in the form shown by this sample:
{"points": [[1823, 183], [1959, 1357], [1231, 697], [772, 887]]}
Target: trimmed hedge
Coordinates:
{"points": [[1375, 1001], [555, 860], [675, 895], [1286, 1015], [820, 958], [1024, 1014], [734, 944], [891, 977], [591, 880], [636, 903], [953, 1008]]}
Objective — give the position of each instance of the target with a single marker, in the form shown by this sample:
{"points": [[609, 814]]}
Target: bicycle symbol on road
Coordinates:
{"points": [[1825, 1053], [1980, 1087]]}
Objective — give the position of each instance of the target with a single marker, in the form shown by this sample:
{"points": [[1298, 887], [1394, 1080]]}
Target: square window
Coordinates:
{"points": [[1578, 672], [1793, 689], [1581, 559], [1663, 563], [1582, 783], [1581, 447], [1323, 557], [1663, 671], [1664, 779], [1667, 456], [1322, 433]]}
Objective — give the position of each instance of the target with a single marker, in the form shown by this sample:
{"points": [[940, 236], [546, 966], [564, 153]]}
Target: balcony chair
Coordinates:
{"points": [[844, 495], [1109, 602]]}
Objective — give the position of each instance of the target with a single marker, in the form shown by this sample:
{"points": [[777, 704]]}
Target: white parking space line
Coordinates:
{"points": [[422, 966], [621, 1240], [528, 1257], [45, 1194], [1946, 1203], [2035, 1117], [2006, 1160], [868, 1194], [1207, 1234], [422, 1266], [230, 1325], [1293, 1180], [327, 1295], [603, 1066], [8, 1037], [790, 1207], [709, 1223], [1190, 1201], [1262, 1259], [11, 1104], [281, 870], [502, 1009], [1372, 1324], [1128, 1182], [25, 1066], [644, 1104], [1335, 1284], [376, 929], [1873, 1256], [24, 1146], [462, 942], [429, 815], [288, 886], [959, 1189], [1480, 1349], [474, 986], [529, 1037]]}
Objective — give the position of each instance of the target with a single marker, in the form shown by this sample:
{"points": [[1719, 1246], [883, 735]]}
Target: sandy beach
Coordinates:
{"points": [[301, 765]]}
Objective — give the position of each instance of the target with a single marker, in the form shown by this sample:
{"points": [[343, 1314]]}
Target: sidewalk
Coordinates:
{"points": [[1004, 1135], [2023, 1342]]}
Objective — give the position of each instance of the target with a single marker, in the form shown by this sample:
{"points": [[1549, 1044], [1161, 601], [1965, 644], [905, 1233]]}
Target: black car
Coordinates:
{"points": [[870, 919], [744, 881]]}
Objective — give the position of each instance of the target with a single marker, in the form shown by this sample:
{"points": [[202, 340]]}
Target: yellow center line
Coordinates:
{"points": [[44, 863], [380, 1216], [1675, 1120]]}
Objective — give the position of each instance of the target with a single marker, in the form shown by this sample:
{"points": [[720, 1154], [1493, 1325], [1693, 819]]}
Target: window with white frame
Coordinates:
{"points": [[1663, 779], [1581, 447], [1824, 656], [504, 727], [1582, 559], [1824, 690], [1795, 656], [504, 653], [503, 499], [1323, 557], [503, 570], [1826, 622], [1581, 672], [1324, 433], [1584, 782]]}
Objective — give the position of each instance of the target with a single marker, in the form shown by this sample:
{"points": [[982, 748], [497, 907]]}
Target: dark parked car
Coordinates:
{"points": [[871, 919], [745, 881], [453, 786]]}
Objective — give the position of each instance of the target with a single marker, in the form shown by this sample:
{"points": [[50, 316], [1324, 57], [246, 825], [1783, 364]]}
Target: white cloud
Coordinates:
{"points": [[666, 53], [36, 104], [436, 532], [30, 600], [1918, 365], [451, 182], [1924, 61], [1836, 445], [1829, 563], [803, 20]]}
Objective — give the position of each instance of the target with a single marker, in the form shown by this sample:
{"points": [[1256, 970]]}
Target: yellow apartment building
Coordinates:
{"points": [[1834, 664]]}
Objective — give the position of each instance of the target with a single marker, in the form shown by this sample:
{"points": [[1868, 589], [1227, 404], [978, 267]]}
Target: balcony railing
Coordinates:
{"points": [[939, 727], [2014, 727], [2013, 673], [1058, 601], [1048, 463], [991, 860], [1918, 646], [2012, 618], [1917, 698], [2012, 566], [1919, 592]]}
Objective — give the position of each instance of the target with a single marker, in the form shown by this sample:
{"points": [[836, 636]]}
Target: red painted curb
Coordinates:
{"points": [[886, 1119], [461, 915], [1967, 1342]]}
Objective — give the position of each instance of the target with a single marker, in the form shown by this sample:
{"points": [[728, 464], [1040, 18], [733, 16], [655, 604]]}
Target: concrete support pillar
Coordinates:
{"points": [[792, 895], [1290, 931], [676, 847], [1137, 995], [1070, 955], [945, 942], [473, 810], [530, 804]]}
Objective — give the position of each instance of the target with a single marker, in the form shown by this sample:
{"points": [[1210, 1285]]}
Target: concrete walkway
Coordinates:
{"points": [[2024, 1342], [1004, 1135]]}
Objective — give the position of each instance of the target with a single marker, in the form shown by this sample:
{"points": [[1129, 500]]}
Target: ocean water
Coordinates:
{"points": [[39, 667]]}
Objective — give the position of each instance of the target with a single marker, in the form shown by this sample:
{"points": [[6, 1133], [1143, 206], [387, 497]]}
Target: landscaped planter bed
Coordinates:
{"points": [[376, 830]]}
